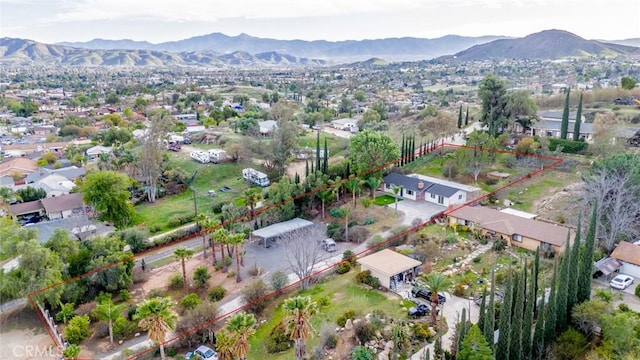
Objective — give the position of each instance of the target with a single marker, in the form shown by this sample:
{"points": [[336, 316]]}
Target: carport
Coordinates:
{"points": [[282, 228]]}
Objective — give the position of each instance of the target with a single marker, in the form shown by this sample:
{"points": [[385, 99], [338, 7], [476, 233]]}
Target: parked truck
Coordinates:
{"points": [[255, 177]]}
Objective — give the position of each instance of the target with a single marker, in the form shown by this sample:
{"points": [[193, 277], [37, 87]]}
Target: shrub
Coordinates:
{"points": [[131, 312], [217, 293], [278, 339], [343, 267], [499, 244], [458, 289], [362, 276], [358, 234], [201, 276], [422, 332], [335, 231], [348, 255], [323, 301], [125, 295], [278, 280], [123, 328], [362, 353], [77, 329], [637, 290], [254, 296], [477, 259], [157, 292], [336, 212], [176, 281], [571, 344], [328, 337], [490, 181], [373, 282], [369, 220], [567, 146], [190, 301], [347, 314], [364, 331], [136, 238]]}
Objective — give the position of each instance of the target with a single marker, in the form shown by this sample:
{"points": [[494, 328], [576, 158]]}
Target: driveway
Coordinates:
{"points": [[418, 212]]}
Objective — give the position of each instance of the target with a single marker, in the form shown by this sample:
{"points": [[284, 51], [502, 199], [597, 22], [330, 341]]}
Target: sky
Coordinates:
{"points": [[52, 21]]}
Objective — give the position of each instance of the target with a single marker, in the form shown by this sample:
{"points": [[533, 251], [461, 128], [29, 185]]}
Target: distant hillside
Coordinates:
{"points": [[406, 48], [25, 52], [629, 42], [549, 44]]}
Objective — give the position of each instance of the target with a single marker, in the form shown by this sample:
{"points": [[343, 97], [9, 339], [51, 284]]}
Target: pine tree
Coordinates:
{"points": [[504, 336], [515, 351], [572, 286], [585, 271], [483, 305], [537, 344], [527, 326], [563, 291], [460, 118], [564, 126], [466, 118], [474, 346], [576, 126], [489, 319], [551, 312]]}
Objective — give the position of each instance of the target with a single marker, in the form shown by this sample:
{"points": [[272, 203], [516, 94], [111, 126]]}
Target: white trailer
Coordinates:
{"points": [[255, 177], [200, 156], [217, 155]]}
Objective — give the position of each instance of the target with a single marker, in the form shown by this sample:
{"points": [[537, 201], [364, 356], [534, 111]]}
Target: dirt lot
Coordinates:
{"points": [[22, 336]]}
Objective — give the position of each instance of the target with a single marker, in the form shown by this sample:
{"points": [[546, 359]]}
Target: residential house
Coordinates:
{"points": [[550, 124], [79, 227], [629, 256], [26, 149], [95, 151], [60, 207], [55, 185], [391, 268], [517, 230], [69, 172], [418, 187], [44, 130], [18, 166]]}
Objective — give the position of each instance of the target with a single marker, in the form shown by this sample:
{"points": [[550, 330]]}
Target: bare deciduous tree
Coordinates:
{"points": [[150, 159], [618, 212], [304, 250]]}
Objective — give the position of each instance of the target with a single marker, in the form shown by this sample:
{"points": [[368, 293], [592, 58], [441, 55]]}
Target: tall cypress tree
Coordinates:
{"points": [[515, 349], [413, 148], [325, 160], [460, 118], [572, 286], [527, 326], [483, 305], [504, 336], [306, 168], [402, 152], [564, 126], [490, 316], [537, 344], [551, 312], [317, 152], [462, 330], [466, 118], [576, 127], [586, 262], [563, 291]]}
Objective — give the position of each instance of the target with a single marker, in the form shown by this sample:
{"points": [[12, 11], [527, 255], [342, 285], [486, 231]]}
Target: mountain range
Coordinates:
{"points": [[548, 44], [220, 50]]}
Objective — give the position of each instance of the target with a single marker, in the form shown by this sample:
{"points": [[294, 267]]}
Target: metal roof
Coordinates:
{"points": [[281, 228]]}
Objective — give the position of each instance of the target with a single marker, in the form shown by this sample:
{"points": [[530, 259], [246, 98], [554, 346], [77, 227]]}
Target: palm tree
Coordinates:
{"points": [[236, 240], [346, 212], [299, 310], [182, 253], [156, 316], [366, 202], [202, 220], [325, 196], [220, 237], [7, 195], [241, 325], [337, 186], [251, 197], [225, 344], [396, 190], [437, 283], [108, 311], [353, 185], [373, 183]]}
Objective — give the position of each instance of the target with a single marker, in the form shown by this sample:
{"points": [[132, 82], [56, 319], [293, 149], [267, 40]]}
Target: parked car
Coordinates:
{"points": [[621, 282], [205, 353], [186, 141], [211, 193], [419, 292], [329, 245], [418, 311]]}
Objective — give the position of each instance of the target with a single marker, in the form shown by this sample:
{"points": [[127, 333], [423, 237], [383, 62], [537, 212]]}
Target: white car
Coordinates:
{"points": [[621, 282], [205, 353]]}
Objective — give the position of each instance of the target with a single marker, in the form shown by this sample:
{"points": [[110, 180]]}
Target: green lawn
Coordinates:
{"points": [[384, 200], [343, 294], [210, 177], [335, 144]]}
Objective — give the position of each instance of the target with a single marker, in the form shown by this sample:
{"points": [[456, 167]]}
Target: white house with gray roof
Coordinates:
{"points": [[419, 187]]}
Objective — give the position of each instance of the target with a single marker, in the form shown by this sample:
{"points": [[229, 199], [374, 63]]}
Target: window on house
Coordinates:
{"points": [[387, 186], [517, 237], [440, 200], [433, 196], [409, 192], [460, 197]]}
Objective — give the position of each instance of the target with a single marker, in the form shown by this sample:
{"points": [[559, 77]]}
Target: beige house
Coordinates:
{"points": [[517, 230], [629, 256], [391, 268]]}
